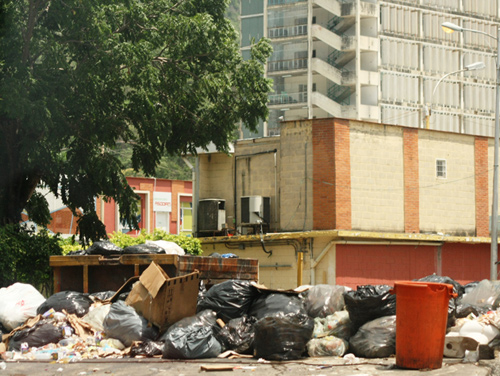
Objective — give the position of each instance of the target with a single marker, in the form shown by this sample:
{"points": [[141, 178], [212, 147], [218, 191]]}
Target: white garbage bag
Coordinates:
{"points": [[18, 302]]}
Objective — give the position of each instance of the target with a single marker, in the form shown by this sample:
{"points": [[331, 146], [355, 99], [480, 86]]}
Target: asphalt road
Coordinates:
{"points": [[307, 367]]}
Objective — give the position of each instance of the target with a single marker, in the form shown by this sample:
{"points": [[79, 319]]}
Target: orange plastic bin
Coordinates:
{"points": [[421, 318]]}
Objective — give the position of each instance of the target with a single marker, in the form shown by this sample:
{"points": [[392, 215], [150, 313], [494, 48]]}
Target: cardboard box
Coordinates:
{"points": [[163, 300]]}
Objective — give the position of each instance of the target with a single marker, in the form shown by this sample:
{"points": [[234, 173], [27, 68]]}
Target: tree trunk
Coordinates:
{"points": [[18, 179]]}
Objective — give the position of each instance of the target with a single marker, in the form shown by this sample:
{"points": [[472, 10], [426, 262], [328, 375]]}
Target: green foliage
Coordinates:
{"points": [[80, 77], [25, 257], [69, 245], [189, 244]]}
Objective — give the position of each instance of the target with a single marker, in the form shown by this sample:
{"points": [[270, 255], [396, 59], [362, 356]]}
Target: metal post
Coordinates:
{"points": [[494, 204]]}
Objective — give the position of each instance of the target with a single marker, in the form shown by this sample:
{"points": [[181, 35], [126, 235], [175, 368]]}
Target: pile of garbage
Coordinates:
{"points": [[239, 318]]}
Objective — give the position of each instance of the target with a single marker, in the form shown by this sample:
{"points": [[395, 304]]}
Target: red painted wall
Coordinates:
{"points": [[383, 264], [466, 262]]}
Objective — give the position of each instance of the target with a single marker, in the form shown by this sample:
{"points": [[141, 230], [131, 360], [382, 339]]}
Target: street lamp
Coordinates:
{"points": [[474, 66], [450, 27]]}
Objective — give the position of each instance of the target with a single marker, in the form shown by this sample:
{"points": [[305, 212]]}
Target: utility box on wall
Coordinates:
{"points": [[255, 210], [211, 215]]}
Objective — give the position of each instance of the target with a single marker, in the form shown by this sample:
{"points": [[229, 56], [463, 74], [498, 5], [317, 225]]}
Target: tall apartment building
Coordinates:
{"points": [[378, 61]]}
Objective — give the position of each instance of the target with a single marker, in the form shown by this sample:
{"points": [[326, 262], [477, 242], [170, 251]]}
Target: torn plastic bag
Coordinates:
{"points": [[147, 349], [375, 339], [149, 248], [40, 334], [102, 295], [170, 248], [19, 302], [238, 335], [485, 295], [125, 324], [278, 304], [71, 301], [338, 325], [229, 299], [457, 287], [327, 346], [282, 337], [104, 248], [368, 303], [192, 338], [96, 316], [324, 300]]}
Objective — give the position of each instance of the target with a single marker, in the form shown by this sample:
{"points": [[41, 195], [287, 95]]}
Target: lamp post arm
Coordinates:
{"points": [[446, 75]]}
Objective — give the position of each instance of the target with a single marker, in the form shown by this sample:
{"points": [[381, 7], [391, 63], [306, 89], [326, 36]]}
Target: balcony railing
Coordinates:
{"points": [[285, 65], [279, 2], [288, 98], [287, 31]]}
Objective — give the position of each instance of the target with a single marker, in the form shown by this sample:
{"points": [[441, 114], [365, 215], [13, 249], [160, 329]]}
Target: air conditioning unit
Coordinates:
{"points": [[211, 214], [255, 210]]}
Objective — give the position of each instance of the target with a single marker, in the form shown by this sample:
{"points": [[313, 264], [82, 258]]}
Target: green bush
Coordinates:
{"points": [[25, 257], [189, 244]]}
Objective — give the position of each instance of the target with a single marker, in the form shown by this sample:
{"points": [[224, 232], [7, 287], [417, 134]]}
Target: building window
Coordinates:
{"points": [[441, 168]]}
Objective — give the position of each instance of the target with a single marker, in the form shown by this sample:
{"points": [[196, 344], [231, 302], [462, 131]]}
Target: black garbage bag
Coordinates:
{"points": [[125, 324], [457, 287], [282, 337], [323, 300], [368, 303], [104, 248], [278, 304], [74, 302], [41, 334], [147, 349], [464, 310], [452, 304], [375, 339], [229, 299], [102, 295], [238, 335], [192, 338], [150, 248]]}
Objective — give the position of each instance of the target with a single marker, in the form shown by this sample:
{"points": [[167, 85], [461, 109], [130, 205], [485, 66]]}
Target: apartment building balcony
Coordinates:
{"points": [[288, 98], [345, 43], [349, 9], [287, 31], [286, 65]]}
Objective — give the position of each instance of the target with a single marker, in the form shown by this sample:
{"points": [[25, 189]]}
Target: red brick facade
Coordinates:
{"points": [[331, 174]]}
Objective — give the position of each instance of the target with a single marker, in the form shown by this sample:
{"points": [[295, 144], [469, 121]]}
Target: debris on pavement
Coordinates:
{"points": [[157, 317]]}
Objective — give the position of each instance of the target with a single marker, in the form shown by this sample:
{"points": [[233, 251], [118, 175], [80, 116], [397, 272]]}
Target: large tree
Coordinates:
{"points": [[79, 76]]}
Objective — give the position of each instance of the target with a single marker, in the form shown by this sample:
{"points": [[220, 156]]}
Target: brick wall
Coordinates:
{"points": [[331, 174]]}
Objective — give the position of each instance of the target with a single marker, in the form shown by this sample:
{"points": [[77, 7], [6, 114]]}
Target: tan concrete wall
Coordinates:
{"points": [[216, 180], [296, 206], [377, 177], [256, 174], [447, 205]]}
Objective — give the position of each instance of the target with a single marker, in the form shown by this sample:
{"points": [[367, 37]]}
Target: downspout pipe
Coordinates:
{"points": [[195, 172], [235, 197]]}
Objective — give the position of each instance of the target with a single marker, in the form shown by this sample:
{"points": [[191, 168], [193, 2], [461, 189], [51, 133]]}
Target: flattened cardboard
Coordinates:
{"points": [[163, 300]]}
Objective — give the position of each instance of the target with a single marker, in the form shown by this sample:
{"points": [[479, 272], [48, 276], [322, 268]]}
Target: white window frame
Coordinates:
{"points": [[179, 211], [147, 209], [441, 168]]}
